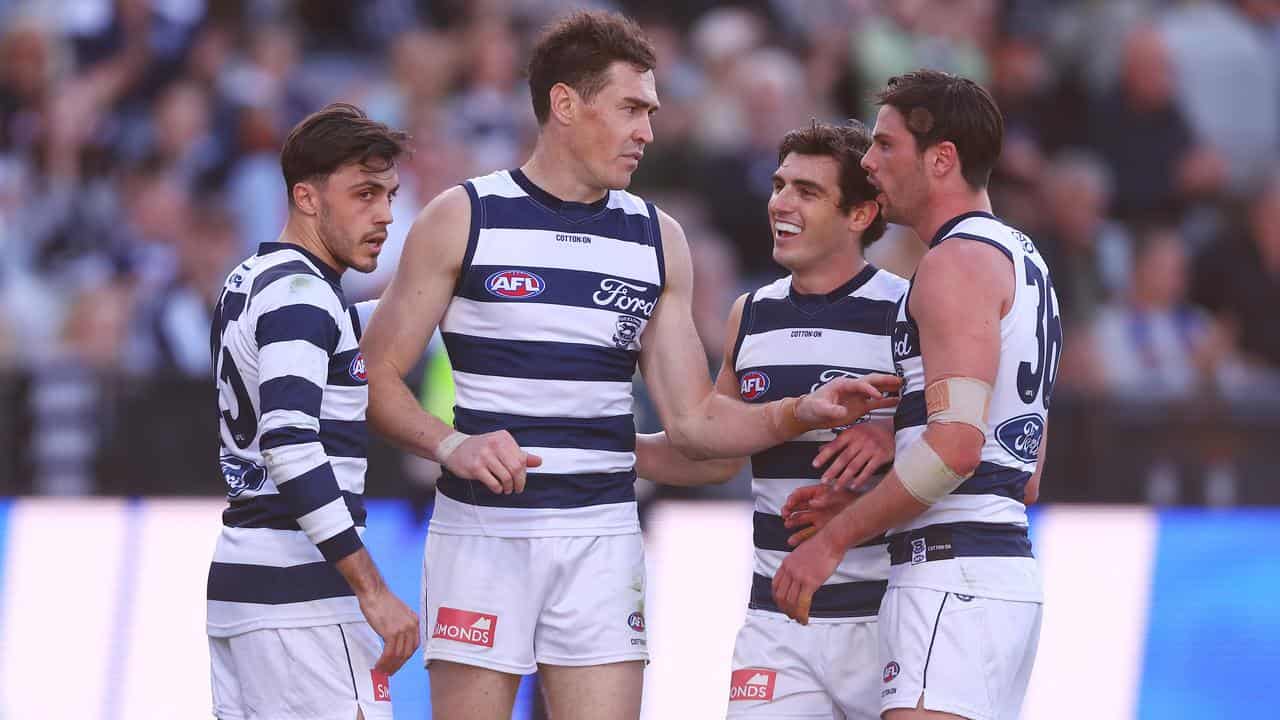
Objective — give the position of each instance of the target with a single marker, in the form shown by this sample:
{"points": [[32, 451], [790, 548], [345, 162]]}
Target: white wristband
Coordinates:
{"points": [[448, 445]]}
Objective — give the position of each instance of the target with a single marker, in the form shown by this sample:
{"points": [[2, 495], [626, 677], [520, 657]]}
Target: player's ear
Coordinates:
{"points": [[306, 198], [862, 215], [564, 103], [943, 158]]}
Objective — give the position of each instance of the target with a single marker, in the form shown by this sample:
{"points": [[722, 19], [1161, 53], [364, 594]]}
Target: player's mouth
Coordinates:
{"points": [[783, 229], [635, 156]]}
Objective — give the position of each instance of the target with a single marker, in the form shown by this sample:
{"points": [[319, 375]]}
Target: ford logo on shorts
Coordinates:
{"points": [[1021, 436], [514, 284]]}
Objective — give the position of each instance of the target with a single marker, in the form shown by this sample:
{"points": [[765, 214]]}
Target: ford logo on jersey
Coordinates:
{"points": [[1021, 436], [514, 284], [753, 385], [241, 475]]}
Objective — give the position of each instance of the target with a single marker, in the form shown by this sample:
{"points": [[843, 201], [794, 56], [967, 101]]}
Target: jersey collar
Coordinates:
{"points": [[951, 224], [329, 273]]}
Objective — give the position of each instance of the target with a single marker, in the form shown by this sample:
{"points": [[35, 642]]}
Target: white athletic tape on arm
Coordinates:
{"points": [[959, 400], [924, 474], [448, 445]]}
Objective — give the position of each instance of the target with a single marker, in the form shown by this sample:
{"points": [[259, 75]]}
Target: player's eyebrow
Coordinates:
{"points": [[650, 106], [802, 183]]}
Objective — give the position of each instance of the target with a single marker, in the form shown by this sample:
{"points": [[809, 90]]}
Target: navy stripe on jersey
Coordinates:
{"points": [[615, 433], [279, 272], [234, 582], [788, 461], [290, 392], [574, 288], [523, 213], [770, 533], [851, 315], [744, 328], [340, 368], [539, 360], [279, 437], [298, 322], [311, 490], [912, 411], [993, 479], [544, 490], [838, 600], [354, 314], [657, 242], [344, 438], [274, 512], [473, 234], [960, 539]]}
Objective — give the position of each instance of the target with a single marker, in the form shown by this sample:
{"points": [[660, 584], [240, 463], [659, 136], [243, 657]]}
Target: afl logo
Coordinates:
{"points": [[514, 284], [891, 671], [636, 621], [357, 368], [753, 384]]}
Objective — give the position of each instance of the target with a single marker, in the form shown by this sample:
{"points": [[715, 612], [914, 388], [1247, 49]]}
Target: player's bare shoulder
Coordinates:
{"points": [[960, 268], [440, 231]]}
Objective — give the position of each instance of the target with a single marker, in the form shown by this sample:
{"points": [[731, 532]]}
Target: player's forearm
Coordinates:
{"points": [[658, 460], [721, 427], [395, 414], [360, 573], [886, 506]]}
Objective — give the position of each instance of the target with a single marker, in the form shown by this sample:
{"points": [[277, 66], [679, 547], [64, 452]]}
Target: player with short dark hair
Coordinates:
{"points": [[830, 318], [976, 339], [550, 284], [295, 602]]}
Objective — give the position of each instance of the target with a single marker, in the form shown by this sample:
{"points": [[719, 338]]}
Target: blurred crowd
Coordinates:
{"points": [[139, 146]]}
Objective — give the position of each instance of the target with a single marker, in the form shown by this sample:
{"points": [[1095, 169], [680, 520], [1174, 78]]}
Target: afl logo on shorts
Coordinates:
{"points": [[753, 384], [516, 284], [357, 369], [891, 671], [636, 621]]}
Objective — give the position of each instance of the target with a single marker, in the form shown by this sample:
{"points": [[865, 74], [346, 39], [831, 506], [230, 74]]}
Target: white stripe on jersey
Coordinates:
{"points": [[542, 398], [572, 460], [837, 347], [326, 521], [527, 247], [538, 322], [344, 403]]}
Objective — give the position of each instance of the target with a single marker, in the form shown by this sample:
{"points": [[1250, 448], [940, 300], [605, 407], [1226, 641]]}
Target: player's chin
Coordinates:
{"points": [[366, 263]]}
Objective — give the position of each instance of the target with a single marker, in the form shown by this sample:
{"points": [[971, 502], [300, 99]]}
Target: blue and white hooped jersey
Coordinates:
{"points": [[544, 333], [974, 541], [292, 395], [789, 344]]}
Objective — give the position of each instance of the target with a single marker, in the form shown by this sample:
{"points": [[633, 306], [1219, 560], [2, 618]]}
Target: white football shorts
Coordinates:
{"points": [[969, 656], [306, 673], [509, 604], [827, 670]]}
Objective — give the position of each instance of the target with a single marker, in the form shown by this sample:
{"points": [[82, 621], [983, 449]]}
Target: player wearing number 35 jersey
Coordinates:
{"points": [[294, 600], [976, 340]]}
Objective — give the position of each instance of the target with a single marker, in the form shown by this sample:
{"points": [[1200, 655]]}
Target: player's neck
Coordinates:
{"points": [[946, 205], [551, 167], [305, 236], [827, 275]]}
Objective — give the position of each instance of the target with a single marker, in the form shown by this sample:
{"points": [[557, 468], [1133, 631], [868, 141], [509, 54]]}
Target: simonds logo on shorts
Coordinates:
{"points": [[752, 684], [381, 686], [465, 626]]}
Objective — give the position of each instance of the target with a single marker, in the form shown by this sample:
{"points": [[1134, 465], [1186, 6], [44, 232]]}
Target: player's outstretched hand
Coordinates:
{"points": [[493, 459], [810, 508], [843, 400], [395, 623], [802, 573], [855, 454]]}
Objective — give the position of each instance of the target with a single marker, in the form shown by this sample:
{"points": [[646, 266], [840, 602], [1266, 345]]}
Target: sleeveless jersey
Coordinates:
{"points": [[544, 334], [789, 344], [974, 541], [292, 396]]}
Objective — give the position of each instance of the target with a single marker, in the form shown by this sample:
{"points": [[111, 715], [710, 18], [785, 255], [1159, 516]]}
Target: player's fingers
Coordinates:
{"points": [[802, 606], [800, 518], [851, 389], [512, 458], [838, 464], [486, 477], [884, 381], [830, 449], [780, 583], [801, 536], [500, 472], [869, 469], [386, 661], [851, 469], [800, 497]]}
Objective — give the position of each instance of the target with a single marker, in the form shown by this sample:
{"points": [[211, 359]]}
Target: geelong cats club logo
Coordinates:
{"points": [[625, 332]]}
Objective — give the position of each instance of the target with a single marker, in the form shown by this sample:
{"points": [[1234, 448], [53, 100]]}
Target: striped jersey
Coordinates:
{"points": [[292, 396], [544, 333], [974, 541], [788, 345]]}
